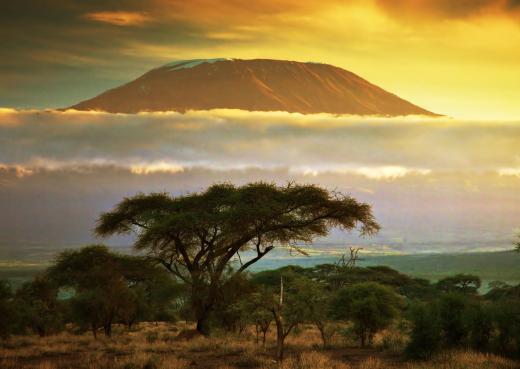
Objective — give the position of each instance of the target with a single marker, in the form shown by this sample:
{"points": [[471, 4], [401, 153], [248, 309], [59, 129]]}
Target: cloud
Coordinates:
{"points": [[433, 183], [119, 18], [375, 147], [449, 9]]}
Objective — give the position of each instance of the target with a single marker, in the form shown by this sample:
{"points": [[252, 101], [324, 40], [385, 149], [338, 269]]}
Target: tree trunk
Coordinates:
{"points": [[107, 328], [202, 299], [279, 347], [280, 337], [323, 337], [203, 325]]}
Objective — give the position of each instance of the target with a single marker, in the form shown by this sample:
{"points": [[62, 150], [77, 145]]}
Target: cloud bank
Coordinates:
{"points": [[375, 147], [434, 184]]}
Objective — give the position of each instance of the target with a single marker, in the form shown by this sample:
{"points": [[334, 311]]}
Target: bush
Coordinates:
{"points": [[425, 338], [480, 322], [507, 320], [452, 310]]}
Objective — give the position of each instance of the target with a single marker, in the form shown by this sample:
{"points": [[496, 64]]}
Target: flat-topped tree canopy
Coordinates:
{"points": [[195, 236]]}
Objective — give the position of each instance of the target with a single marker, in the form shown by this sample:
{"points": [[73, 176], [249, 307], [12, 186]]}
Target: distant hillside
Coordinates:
{"points": [[488, 266], [254, 85]]}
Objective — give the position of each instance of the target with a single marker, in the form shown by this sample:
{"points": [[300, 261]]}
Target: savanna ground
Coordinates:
{"points": [[159, 346]]}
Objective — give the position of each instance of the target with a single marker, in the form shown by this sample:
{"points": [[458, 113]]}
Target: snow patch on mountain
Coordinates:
{"points": [[185, 64]]}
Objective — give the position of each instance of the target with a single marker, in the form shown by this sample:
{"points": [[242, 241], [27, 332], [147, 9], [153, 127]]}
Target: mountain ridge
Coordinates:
{"points": [[254, 85]]}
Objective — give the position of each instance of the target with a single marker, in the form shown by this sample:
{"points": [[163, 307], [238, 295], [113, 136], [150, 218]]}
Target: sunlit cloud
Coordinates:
{"points": [[156, 167], [373, 172], [375, 147], [119, 18], [515, 172], [19, 170]]}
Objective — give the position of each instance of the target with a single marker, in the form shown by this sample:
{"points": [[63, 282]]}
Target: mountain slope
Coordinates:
{"points": [[254, 85]]}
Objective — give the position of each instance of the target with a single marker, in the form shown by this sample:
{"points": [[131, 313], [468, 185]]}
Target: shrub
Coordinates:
{"points": [[425, 338], [452, 310]]}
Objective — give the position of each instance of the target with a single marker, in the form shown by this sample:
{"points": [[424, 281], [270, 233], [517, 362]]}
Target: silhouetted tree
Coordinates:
{"points": [[196, 236]]}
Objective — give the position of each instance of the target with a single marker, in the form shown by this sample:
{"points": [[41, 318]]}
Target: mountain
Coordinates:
{"points": [[254, 85]]}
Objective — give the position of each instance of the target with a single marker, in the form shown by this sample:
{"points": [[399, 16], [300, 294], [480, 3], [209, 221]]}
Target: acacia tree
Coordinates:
{"points": [[461, 283], [196, 236]]}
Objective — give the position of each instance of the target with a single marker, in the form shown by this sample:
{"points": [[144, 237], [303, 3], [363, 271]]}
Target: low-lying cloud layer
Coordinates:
{"points": [[231, 139], [435, 184]]}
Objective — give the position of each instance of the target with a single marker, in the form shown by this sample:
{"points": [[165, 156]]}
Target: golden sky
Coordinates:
{"points": [[459, 58]]}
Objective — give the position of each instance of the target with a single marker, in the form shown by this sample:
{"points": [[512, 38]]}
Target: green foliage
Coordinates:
{"points": [[452, 310], [38, 307], [317, 300], [233, 308], [109, 287], [370, 306], [481, 327], [507, 320], [425, 337]]}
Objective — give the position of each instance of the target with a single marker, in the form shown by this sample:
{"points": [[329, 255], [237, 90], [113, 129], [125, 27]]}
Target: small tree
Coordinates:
{"points": [[317, 301], [260, 314], [197, 236], [370, 306], [288, 311]]}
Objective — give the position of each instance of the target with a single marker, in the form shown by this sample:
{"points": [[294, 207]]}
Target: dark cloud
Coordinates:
{"points": [[448, 8]]}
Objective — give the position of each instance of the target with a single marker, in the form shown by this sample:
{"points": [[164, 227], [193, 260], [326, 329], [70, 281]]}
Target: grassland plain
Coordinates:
{"points": [[158, 346]]}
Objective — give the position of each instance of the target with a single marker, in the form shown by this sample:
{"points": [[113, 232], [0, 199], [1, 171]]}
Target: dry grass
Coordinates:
{"points": [[156, 347]]}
